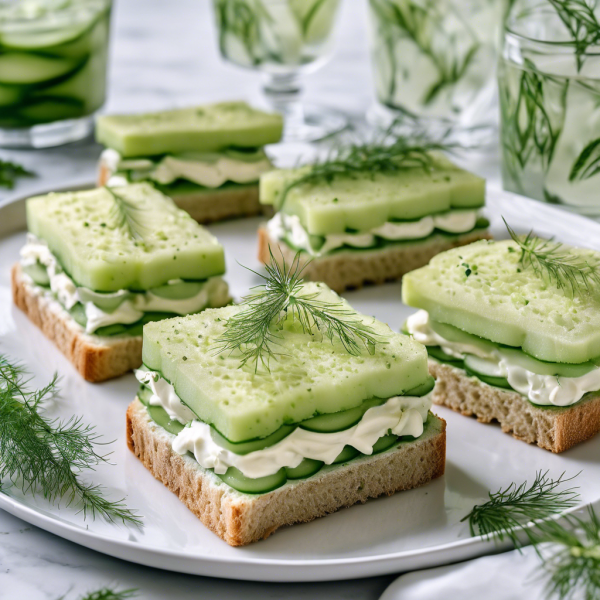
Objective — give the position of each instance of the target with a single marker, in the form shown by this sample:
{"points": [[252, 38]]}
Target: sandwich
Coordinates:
{"points": [[282, 409], [208, 159], [371, 214], [100, 264], [512, 329]]}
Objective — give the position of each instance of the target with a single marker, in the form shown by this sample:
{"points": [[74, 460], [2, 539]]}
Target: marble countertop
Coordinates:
{"points": [[165, 55]]}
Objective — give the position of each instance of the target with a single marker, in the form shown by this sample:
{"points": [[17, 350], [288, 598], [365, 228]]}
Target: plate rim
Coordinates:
{"points": [[286, 570]]}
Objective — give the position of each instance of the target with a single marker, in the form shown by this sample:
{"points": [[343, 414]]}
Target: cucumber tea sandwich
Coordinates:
{"points": [[282, 409], [371, 212], [513, 334], [208, 159], [99, 264]]}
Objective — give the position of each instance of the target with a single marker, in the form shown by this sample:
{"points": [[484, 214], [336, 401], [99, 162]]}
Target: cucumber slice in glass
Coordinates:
{"points": [[48, 108], [339, 421], [159, 415], [384, 443], [348, 453], [251, 445], [178, 291], [238, 481], [38, 273], [305, 469], [437, 353], [423, 389], [20, 68]]}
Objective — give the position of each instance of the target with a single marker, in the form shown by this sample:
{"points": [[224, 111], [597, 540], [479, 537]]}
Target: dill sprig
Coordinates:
{"points": [[572, 561], [508, 510], [253, 332], [108, 594], [388, 153], [550, 261], [10, 171], [47, 457], [126, 215]]}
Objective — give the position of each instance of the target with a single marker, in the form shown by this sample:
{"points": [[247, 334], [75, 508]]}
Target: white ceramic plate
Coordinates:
{"points": [[411, 530]]}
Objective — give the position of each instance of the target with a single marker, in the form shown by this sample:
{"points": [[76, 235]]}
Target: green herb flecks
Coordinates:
{"points": [[109, 594], [509, 510], [128, 216], [10, 172], [252, 332], [388, 153], [551, 262], [47, 457], [422, 24]]}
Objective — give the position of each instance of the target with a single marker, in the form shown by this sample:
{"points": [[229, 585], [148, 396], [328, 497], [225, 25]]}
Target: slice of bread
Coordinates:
{"points": [[211, 205], [241, 519], [555, 428], [350, 269], [96, 358]]}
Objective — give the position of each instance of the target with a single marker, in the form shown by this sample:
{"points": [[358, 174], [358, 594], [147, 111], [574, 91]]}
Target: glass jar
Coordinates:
{"points": [[283, 39], [53, 56], [549, 85], [434, 61]]}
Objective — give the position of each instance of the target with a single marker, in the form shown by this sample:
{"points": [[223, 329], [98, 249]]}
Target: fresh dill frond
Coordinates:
{"points": [[390, 152], [571, 561], [126, 215], [47, 457], [551, 262], [509, 510], [253, 333], [10, 171], [108, 594]]}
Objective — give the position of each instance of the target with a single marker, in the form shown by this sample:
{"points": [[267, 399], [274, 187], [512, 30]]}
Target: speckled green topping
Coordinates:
{"points": [[482, 289], [196, 129], [369, 200], [311, 375], [103, 251]]}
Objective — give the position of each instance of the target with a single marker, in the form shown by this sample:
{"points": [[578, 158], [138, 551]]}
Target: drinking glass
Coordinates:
{"points": [[434, 62], [549, 84], [283, 39], [53, 56]]}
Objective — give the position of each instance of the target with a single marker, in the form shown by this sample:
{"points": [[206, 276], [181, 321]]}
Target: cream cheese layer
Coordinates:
{"points": [[543, 390], [210, 171], [283, 226], [402, 415], [214, 292]]}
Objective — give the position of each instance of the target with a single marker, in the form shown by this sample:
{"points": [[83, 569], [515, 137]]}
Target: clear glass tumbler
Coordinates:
{"points": [[53, 56], [284, 39], [434, 62], [549, 84]]}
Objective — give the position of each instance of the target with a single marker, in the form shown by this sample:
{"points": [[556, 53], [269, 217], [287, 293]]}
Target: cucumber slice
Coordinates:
{"points": [[38, 273], [339, 421], [437, 353], [384, 443], [144, 394], [46, 109], [133, 329], [529, 363], [423, 389], [305, 469], [106, 302], [78, 314], [159, 415], [348, 453], [453, 334], [9, 95], [495, 381], [178, 291], [251, 445], [482, 366], [20, 68], [238, 481]]}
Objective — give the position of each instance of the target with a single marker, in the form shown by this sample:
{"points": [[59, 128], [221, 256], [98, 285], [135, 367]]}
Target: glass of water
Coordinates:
{"points": [[283, 39], [549, 84], [434, 62], [53, 56]]}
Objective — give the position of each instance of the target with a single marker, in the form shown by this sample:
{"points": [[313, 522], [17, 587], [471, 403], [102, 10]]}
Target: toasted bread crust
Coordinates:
{"points": [[354, 269], [241, 519], [211, 206], [554, 429], [96, 362]]}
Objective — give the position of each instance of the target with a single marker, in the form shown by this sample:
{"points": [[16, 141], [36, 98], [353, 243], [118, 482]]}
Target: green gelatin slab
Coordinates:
{"points": [[200, 129], [138, 242], [368, 200], [494, 298], [310, 376]]}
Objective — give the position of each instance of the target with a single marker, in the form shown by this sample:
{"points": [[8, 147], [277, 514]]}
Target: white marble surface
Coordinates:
{"points": [[163, 55]]}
